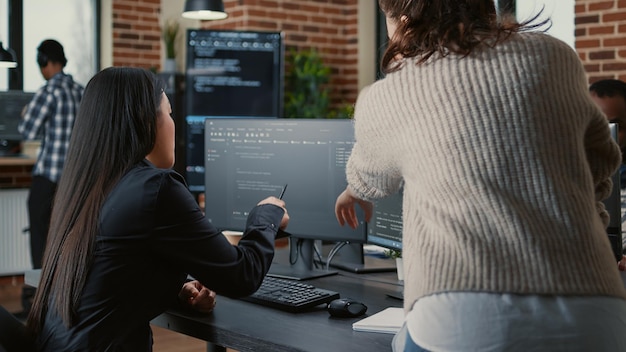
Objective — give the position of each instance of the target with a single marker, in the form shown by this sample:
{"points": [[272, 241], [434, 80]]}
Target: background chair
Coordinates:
{"points": [[14, 337]]}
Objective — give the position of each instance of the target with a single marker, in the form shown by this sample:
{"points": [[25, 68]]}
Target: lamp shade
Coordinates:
{"points": [[204, 10], [6, 58]]}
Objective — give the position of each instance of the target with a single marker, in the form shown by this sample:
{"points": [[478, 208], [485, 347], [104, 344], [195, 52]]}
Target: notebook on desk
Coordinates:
{"points": [[387, 321]]}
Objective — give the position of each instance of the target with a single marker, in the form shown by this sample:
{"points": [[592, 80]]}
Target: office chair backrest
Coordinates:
{"points": [[14, 336]]}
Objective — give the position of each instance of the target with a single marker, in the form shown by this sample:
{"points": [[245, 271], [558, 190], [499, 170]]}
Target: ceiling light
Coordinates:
{"points": [[7, 59], [209, 10]]}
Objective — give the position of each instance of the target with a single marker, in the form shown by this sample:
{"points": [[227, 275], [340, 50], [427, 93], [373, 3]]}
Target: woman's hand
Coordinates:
{"points": [[345, 209], [621, 265], [279, 203], [196, 296]]}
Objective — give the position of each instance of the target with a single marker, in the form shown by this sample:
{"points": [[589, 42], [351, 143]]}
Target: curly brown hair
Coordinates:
{"points": [[426, 27]]}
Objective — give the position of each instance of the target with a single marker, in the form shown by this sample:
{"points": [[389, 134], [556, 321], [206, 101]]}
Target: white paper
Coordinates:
{"points": [[387, 321]]}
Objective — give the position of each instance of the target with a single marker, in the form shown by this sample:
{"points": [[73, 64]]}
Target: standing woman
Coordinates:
{"points": [[126, 232], [504, 161]]}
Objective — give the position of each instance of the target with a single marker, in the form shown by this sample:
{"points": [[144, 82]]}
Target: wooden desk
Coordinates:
{"points": [[247, 326], [17, 161]]}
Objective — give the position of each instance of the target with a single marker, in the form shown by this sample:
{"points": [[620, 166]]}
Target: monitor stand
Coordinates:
{"points": [[301, 253], [351, 258]]}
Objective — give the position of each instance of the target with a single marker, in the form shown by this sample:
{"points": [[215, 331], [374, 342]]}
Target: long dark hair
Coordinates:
{"points": [[115, 129], [444, 27]]}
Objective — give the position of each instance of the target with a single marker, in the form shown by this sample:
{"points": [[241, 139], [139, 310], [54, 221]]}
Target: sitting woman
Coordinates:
{"points": [[126, 232]]}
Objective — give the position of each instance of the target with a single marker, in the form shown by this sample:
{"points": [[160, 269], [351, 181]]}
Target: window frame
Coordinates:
{"points": [[15, 15]]}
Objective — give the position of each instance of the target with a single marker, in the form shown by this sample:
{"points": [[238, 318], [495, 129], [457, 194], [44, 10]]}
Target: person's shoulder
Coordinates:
{"points": [[55, 82], [150, 179], [145, 167], [539, 50], [379, 91], [63, 79], [374, 88], [539, 39], [70, 79], [365, 90], [365, 95], [147, 171]]}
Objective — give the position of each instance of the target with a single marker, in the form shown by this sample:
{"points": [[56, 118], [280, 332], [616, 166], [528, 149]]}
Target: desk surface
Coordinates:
{"points": [[17, 160], [247, 326]]}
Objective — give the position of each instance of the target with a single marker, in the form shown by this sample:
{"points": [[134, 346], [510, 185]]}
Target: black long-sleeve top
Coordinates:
{"points": [[152, 235]]}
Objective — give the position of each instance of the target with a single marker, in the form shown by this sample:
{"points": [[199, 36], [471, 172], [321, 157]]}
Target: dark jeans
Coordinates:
{"points": [[402, 342], [39, 211], [411, 346]]}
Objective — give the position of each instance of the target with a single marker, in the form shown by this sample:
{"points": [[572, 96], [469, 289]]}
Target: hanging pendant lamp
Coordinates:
{"points": [[209, 10], [7, 59]]}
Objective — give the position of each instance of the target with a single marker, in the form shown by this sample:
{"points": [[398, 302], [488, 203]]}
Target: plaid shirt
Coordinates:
{"points": [[50, 116]]}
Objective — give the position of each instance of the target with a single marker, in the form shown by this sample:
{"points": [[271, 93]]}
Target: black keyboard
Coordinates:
{"points": [[290, 295]]}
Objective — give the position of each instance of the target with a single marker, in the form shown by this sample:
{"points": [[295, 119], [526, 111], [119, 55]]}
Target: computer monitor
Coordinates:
{"points": [[11, 105], [385, 230], [251, 159], [229, 74], [385, 227], [613, 205]]}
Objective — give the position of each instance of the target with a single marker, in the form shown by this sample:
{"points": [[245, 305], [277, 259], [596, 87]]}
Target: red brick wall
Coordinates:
{"points": [[328, 25], [331, 26], [15, 175], [136, 33], [601, 38]]}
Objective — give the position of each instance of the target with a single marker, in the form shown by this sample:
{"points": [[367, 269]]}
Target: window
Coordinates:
{"points": [[561, 13], [73, 23]]}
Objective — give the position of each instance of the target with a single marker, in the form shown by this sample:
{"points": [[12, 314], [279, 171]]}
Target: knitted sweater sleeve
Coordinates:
{"points": [[372, 172], [603, 155]]}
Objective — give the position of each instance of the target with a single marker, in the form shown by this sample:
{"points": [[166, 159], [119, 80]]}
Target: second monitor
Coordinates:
{"points": [[248, 160]]}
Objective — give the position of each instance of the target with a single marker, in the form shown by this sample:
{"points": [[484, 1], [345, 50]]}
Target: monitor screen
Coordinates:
{"points": [[229, 74], [385, 229], [249, 160], [385, 226], [234, 73], [11, 105]]}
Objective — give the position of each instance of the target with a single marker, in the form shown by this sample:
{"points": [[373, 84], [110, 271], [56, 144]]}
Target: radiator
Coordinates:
{"points": [[14, 243]]}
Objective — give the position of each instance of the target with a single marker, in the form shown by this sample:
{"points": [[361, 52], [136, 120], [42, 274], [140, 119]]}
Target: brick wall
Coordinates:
{"points": [[136, 33], [328, 25], [601, 38], [15, 176], [331, 27]]}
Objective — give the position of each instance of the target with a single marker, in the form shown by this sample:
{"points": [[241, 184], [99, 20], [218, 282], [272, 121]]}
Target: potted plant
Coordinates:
{"points": [[169, 33], [397, 255], [306, 91]]}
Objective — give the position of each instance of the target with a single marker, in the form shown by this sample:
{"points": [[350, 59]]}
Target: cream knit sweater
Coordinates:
{"points": [[505, 160]]}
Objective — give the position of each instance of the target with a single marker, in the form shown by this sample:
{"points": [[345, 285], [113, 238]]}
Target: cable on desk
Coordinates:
{"points": [[293, 261], [294, 255], [334, 251], [319, 257]]}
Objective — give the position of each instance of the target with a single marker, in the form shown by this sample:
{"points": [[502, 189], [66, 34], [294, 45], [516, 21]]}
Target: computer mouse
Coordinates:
{"points": [[346, 308]]}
